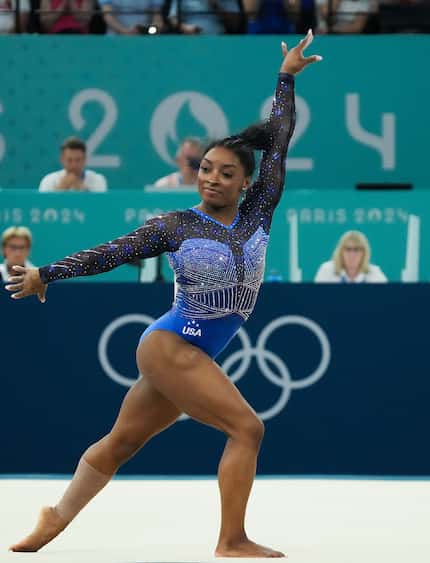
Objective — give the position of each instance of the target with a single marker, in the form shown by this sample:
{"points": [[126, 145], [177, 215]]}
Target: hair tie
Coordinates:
{"points": [[234, 140]]}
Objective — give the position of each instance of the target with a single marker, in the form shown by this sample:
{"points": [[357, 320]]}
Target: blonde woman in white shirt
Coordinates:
{"points": [[16, 247], [351, 262]]}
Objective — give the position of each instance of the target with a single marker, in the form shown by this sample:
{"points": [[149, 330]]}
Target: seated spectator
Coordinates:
{"points": [[131, 17], [188, 159], [348, 16], [73, 176], [268, 16], [212, 17], [65, 16], [7, 16], [404, 16], [16, 245], [350, 262], [306, 15]]}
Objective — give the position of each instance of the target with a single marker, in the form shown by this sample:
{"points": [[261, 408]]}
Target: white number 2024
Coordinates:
{"points": [[384, 144]]}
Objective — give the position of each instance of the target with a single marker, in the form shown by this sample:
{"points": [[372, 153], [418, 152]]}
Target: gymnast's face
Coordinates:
{"points": [[221, 178]]}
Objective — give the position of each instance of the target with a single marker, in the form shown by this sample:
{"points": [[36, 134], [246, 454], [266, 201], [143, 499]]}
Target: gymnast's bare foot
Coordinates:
{"points": [[47, 528], [245, 548]]}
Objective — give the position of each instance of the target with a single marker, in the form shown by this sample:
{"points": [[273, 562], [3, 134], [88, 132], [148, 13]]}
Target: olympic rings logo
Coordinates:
{"points": [[265, 358]]}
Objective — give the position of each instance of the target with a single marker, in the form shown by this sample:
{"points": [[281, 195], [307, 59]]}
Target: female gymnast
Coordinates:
{"points": [[217, 250]]}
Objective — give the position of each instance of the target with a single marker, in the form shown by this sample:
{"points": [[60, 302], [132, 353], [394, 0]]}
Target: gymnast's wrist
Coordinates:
{"points": [[43, 274], [286, 75]]}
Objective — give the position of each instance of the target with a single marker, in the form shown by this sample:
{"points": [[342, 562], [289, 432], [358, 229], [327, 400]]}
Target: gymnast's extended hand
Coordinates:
{"points": [[294, 61], [26, 282]]}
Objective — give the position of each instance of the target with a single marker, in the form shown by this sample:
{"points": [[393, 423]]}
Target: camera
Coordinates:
{"points": [[147, 29], [194, 162]]}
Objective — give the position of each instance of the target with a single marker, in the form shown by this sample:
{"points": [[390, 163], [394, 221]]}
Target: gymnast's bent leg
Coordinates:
{"points": [[196, 385], [143, 414]]}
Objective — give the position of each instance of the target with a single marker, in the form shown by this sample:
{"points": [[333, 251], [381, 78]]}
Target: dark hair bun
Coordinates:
{"points": [[258, 137], [254, 138]]}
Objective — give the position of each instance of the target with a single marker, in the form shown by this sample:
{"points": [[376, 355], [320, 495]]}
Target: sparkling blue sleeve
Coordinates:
{"points": [[156, 236], [267, 189]]}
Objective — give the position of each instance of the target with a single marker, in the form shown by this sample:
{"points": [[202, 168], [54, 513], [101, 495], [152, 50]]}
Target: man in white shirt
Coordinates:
{"points": [[188, 159], [74, 176]]}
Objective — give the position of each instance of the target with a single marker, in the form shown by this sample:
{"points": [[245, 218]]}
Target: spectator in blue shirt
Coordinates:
{"points": [[131, 17], [212, 17]]}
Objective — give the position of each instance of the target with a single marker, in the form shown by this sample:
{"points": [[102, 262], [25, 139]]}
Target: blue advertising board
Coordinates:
{"points": [[339, 374]]}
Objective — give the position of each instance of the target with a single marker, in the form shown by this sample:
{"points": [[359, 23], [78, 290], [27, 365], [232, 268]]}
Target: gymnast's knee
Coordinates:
{"points": [[250, 431], [122, 448]]}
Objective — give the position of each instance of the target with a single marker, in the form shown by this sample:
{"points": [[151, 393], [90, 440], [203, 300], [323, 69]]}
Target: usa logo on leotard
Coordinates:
{"points": [[281, 378], [192, 328]]}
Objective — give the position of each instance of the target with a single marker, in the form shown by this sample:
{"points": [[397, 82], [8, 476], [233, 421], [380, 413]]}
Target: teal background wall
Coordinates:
{"points": [[362, 113], [362, 117]]}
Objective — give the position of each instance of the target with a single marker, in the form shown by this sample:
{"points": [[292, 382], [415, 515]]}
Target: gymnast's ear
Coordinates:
{"points": [[246, 184]]}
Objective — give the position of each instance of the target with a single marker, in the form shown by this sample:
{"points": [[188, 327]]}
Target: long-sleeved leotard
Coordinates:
{"points": [[218, 268]]}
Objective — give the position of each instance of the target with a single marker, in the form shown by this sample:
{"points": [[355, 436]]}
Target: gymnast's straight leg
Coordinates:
{"points": [[143, 414]]}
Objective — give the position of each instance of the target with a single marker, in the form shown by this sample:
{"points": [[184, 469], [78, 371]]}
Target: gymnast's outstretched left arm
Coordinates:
{"points": [[151, 239]]}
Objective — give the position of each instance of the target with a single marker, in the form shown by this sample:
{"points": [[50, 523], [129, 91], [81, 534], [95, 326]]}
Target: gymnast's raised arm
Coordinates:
{"points": [[267, 189]]}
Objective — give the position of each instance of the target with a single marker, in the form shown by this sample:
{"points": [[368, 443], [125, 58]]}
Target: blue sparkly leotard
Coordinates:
{"points": [[218, 268]]}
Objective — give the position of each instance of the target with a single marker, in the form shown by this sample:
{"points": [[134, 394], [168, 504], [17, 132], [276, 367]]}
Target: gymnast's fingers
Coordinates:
{"points": [[15, 279], [14, 287]]}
